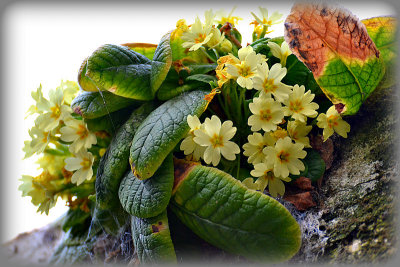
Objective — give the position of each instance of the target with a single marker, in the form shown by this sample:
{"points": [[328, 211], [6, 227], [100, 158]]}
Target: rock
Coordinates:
{"points": [[355, 221]]}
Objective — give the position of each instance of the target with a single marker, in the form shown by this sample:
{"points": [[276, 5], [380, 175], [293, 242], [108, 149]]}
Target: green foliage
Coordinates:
{"points": [[122, 71], [220, 210], [93, 105], [161, 63], [114, 162], [150, 197], [152, 239], [161, 131]]}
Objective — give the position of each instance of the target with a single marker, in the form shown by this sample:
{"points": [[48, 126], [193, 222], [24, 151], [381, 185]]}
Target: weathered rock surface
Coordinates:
{"points": [[355, 221]]}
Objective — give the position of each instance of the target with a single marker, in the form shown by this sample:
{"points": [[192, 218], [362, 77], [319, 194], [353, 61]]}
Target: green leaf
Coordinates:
{"points": [[170, 90], [121, 71], [109, 122], [85, 82], [161, 63], [145, 49], [347, 71], [114, 162], [92, 105], [204, 78], [226, 214], [315, 165], [162, 130], [150, 197], [382, 31], [74, 217], [152, 240], [298, 73]]}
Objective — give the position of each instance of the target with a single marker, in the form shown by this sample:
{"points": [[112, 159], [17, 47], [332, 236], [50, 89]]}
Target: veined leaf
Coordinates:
{"points": [[121, 71], [152, 240], [222, 211], [161, 131], [204, 78], [336, 47], [85, 82], [161, 63], [150, 197], [114, 162], [92, 105], [382, 31], [145, 49], [110, 122]]}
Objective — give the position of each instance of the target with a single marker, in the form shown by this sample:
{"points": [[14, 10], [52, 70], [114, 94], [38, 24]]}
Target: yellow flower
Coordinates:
{"points": [[70, 89], [222, 18], [254, 148], [298, 132], [39, 142], [332, 122], [268, 113], [299, 105], [269, 81], [77, 132], [216, 39], [40, 189], [266, 177], [281, 52], [53, 164], [244, 68], [41, 103], [188, 145], [56, 111], [181, 27], [284, 157], [267, 21], [215, 137], [198, 34], [279, 133], [82, 165]]}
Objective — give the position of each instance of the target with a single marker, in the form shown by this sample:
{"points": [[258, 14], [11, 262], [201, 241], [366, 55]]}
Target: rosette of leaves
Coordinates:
{"points": [[149, 96]]}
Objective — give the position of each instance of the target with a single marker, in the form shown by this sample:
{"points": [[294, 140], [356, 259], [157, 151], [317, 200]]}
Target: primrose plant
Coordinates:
{"points": [[198, 130]]}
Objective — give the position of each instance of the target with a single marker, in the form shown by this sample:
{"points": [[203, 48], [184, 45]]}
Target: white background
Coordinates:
{"points": [[44, 43]]}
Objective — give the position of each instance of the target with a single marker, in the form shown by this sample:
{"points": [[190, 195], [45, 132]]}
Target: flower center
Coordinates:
{"points": [[55, 111], [200, 38], [283, 156], [217, 141], [86, 163], [245, 70], [332, 121], [296, 106], [265, 115], [82, 132], [45, 136], [269, 86]]}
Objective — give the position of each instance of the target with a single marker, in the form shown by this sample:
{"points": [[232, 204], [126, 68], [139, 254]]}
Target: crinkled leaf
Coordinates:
{"points": [[315, 165], [204, 78], [74, 217], [170, 89], [223, 212], [336, 47], [162, 130], [382, 31], [152, 240], [110, 122], [121, 71], [115, 161], [150, 197], [85, 82], [161, 63], [92, 105], [145, 49]]}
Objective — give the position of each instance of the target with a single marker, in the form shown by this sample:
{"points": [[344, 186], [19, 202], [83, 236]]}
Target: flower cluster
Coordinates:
{"points": [[62, 139], [207, 35], [280, 111], [210, 140]]}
